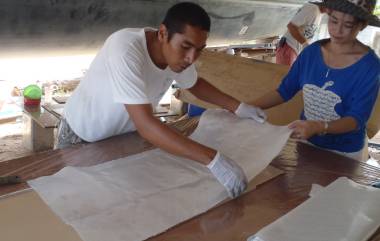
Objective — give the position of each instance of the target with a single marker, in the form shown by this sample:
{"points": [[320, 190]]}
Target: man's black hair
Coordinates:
{"points": [[186, 13]]}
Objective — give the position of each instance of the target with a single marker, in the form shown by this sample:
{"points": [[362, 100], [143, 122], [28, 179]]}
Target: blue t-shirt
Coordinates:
{"points": [[330, 94]]}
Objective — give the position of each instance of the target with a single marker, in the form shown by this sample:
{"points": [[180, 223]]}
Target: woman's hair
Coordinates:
{"points": [[356, 19], [186, 13], [361, 21]]}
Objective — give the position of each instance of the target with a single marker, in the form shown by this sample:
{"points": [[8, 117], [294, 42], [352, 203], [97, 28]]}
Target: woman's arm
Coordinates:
{"points": [[268, 100], [304, 129]]}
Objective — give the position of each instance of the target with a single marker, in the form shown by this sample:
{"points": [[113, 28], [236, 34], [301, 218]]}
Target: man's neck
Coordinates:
{"points": [[154, 49]]}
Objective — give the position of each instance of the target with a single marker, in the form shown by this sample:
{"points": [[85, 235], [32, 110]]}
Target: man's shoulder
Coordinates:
{"points": [[126, 35], [308, 11], [130, 40], [310, 7], [306, 14]]}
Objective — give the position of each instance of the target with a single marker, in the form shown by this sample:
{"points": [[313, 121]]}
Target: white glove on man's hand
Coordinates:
{"points": [[229, 174], [248, 111]]}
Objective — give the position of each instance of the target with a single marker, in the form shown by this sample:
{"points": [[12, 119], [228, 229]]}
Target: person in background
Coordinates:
{"points": [[301, 30], [339, 79], [129, 76]]}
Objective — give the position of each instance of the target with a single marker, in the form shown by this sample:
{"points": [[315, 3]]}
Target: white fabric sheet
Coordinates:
{"points": [[344, 211], [136, 197]]}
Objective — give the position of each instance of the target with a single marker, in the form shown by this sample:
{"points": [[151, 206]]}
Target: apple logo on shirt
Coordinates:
{"points": [[319, 103]]}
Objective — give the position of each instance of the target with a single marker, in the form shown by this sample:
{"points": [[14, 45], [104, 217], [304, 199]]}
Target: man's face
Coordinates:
{"points": [[183, 48]]}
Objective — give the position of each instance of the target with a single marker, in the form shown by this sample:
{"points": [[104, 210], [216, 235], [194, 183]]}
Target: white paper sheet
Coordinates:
{"points": [[344, 211], [136, 197]]}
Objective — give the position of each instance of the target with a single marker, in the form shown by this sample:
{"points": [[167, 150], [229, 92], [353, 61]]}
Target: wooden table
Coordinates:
{"points": [[234, 220]]}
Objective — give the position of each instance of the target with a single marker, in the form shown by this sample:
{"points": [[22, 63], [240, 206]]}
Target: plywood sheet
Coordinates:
{"points": [[247, 79], [24, 216]]}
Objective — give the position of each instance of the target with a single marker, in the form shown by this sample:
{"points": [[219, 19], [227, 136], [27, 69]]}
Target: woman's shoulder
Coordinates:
{"points": [[372, 61], [374, 57], [370, 64]]}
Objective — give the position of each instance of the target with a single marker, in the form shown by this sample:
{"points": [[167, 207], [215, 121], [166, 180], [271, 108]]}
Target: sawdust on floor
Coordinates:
{"points": [[11, 146]]}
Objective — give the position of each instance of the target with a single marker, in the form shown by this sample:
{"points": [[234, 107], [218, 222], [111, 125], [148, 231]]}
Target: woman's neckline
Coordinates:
{"points": [[330, 68]]}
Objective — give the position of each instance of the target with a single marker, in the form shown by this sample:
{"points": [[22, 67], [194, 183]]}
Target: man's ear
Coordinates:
{"points": [[163, 33]]}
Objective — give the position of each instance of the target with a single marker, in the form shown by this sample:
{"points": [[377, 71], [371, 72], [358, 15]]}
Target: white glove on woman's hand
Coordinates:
{"points": [[229, 174], [249, 111]]}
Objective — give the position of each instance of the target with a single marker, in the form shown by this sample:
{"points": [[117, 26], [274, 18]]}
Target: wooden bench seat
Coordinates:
{"points": [[39, 125]]}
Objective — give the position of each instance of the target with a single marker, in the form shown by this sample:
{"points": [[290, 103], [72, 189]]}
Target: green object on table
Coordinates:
{"points": [[32, 92]]}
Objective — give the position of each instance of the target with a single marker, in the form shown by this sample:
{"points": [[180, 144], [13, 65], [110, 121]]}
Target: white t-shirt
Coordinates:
{"points": [[308, 19], [121, 73]]}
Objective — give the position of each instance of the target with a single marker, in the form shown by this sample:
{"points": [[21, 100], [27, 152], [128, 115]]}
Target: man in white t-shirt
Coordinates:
{"points": [[301, 30], [131, 73]]}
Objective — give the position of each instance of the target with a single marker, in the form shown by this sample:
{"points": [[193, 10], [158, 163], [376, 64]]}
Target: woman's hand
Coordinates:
{"points": [[304, 129]]}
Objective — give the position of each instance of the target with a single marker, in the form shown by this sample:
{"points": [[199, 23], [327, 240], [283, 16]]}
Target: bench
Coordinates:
{"points": [[39, 125]]}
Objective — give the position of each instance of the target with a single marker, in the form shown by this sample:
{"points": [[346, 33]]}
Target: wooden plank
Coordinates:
{"points": [[244, 79]]}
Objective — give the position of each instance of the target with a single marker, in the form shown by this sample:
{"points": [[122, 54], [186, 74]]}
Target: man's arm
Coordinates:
{"points": [[295, 31], [207, 92], [225, 170], [162, 136]]}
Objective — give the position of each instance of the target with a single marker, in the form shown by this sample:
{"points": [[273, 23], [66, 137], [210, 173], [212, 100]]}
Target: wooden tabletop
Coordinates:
{"points": [[234, 220], [244, 216]]}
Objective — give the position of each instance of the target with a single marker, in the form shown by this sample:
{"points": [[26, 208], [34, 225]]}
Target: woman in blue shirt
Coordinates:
{"points": [[339, 78]]}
